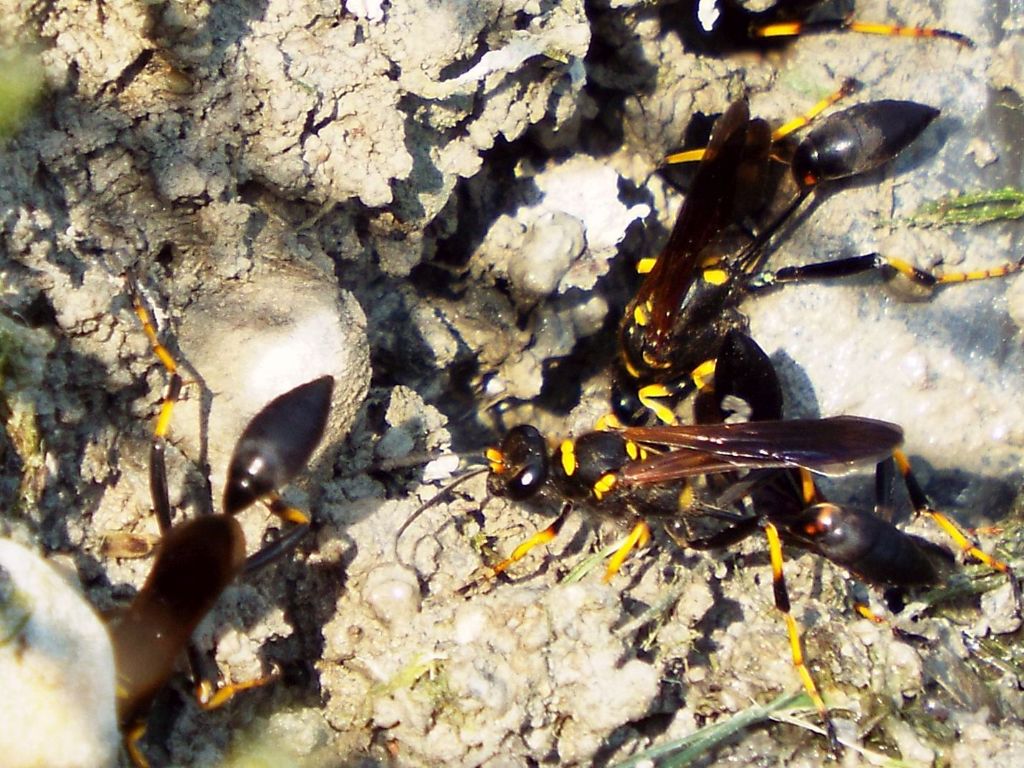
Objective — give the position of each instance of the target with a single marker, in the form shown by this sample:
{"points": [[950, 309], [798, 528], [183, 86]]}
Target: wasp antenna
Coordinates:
{"points": [[431, 502]]}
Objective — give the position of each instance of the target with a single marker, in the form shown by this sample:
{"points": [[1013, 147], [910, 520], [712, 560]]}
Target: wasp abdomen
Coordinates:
{"points": [[859, 139]]}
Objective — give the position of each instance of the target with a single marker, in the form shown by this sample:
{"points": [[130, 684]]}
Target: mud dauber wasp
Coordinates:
{"points": [[680, 475], [689, 297], [724, 26], [198, 559], [635, 475]]}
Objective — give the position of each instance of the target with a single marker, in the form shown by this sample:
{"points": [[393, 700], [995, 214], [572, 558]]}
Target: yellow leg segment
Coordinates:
{"points": [[648, 397], [211, 698], [793, 28], [849, 86], [787, 29], [638, 537], [968, 547], [286, 512], [795, 646], [895, 30], [540, 537], [149, 328], [925, 278], [979, 274], [163, 419], [951, 529], [808, 490], [909, 271], [686, 156], [131, 745], [865, 612]]}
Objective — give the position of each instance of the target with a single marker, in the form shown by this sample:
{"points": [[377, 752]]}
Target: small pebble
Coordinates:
{"points": [[393, 592]]}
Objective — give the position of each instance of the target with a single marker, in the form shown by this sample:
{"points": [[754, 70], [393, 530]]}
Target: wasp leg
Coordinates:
{"points": [[888, 267], [210, 693], [986, 530], [883, 616], [923, 505], [756, 251], [808, 489], [157, 463], [132, 737], [201, 666], [638, 537], [651, 397], [796, 648], [282, 546], [540, 537], [884, 471], [847, 24], [848, 87], [659, 398], [685, 156], [726, 537], [866, 612], [149, 328], [157, 449], [210, 696]]}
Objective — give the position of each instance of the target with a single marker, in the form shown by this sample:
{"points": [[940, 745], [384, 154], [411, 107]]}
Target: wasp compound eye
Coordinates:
{"points": [[627, 406], [523, 466]]}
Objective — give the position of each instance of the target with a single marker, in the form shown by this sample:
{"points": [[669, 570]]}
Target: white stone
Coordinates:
{"points": [[56, 670]]}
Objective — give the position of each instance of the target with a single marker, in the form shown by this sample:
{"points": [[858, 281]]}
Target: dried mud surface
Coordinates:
{"points": [[468, 184]]}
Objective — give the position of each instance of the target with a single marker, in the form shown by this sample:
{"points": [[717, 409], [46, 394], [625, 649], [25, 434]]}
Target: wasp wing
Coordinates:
{"points": [[707, 210], [829, 446]]}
